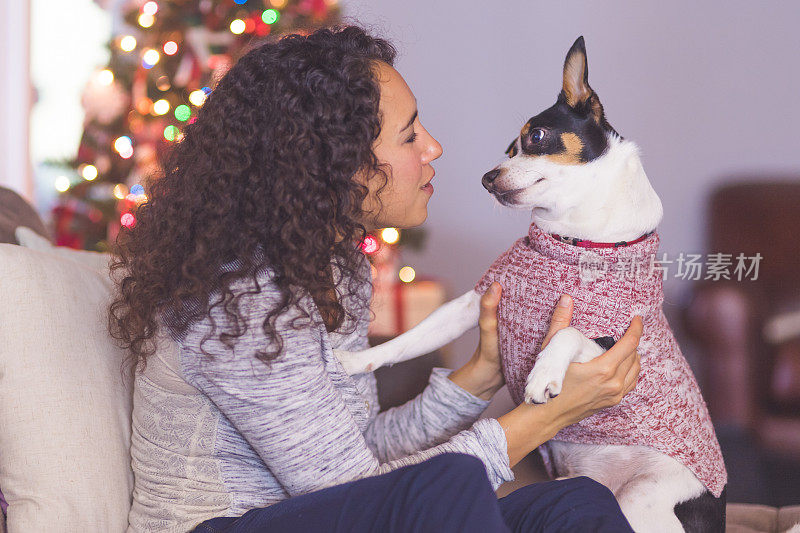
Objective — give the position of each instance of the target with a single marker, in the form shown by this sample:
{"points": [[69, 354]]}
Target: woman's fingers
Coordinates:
{"points": [[562, 316], [632, 374], [487, 320], [625, 348]]}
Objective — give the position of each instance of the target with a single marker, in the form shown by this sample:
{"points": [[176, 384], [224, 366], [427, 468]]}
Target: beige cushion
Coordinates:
{"points": [[65, 409], [789, 519], [752, 518], [94, 260]]}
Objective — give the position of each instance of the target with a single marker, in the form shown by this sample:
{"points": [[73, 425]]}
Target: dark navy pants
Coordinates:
{"points": [[447, 493]]}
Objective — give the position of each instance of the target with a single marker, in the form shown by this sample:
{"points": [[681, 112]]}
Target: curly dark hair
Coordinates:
{"points": [[264, 178]]}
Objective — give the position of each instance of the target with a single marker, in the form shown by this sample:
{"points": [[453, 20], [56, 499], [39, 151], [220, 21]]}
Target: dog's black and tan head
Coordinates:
{"points": [[572, 169], [574, 131]]}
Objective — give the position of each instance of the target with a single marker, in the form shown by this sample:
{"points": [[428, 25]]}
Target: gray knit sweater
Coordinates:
{"points": [[219, 436]]}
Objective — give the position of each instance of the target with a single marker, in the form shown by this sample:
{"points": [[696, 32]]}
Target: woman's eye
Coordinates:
{"points": [[537, 135], [412, 138]]}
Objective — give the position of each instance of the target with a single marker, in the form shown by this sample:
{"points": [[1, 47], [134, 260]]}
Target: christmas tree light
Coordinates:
{"points": [[128, 43], [370, 245], [89, 172], [62, 184], [150, 8], [390, 235], [146, 20], [407, 274]]}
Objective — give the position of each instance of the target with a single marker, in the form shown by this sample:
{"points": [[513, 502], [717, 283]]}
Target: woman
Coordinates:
{"points": [[244, 271]]}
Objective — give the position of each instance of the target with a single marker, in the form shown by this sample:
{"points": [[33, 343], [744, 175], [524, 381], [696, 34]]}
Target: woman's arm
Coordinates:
{"points": [[452, 401], [435, 415], [292, 414]]}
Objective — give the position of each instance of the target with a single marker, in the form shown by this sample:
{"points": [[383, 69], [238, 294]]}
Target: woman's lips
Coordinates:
{"points": [[428, 188]]}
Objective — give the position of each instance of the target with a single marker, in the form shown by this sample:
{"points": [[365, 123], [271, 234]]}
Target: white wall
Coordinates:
{"points": [[62, 61], [709, 90], [48, 50], [63, 58], [15, 97]]}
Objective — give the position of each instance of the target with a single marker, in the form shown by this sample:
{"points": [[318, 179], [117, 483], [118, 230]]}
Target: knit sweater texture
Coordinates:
{"points": [[609, 286]]}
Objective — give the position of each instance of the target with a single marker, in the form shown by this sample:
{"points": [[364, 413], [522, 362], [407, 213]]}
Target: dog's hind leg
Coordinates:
{"points": [[703, 514], [445, 324], [649, 499], [651, 517]]}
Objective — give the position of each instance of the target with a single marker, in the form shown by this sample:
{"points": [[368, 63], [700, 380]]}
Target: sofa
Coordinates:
{"points": [[65, 400], [749, 332]]}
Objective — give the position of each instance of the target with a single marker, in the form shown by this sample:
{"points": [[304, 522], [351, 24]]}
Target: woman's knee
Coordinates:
{"points": [[458, 461], [455, 472], [575, 504], [452, 488]]}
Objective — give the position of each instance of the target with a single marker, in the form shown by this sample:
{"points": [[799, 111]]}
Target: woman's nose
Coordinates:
{"points": [[433, 150]]}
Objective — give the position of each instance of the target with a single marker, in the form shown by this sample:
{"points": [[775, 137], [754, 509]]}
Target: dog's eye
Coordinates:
{"points": [[537, 135]]}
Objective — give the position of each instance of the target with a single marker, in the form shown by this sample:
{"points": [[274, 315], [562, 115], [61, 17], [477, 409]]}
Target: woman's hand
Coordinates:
{"points": [[588, 387], [601, 382], [488, 351], [483, 374]]}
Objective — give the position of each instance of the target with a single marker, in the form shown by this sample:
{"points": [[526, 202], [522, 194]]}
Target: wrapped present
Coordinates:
{"points": [[399, 306], [400, 300]]}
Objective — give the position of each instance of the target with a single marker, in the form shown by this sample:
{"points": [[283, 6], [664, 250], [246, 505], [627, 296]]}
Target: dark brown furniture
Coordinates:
{"points": [[754, 385], [16, 211]]}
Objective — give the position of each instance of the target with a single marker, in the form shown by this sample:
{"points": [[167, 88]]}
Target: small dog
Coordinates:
{"points": [[594, 215]]}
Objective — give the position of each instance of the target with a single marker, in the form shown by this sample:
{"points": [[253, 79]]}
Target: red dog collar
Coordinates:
{"points": [[591, 244]]}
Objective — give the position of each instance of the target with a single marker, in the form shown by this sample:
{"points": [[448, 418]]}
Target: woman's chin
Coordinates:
{"points": [[411, 219], [420, 219]]}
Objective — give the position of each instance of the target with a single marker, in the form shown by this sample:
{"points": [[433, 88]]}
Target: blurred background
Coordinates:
{"points": [[93, 93]]}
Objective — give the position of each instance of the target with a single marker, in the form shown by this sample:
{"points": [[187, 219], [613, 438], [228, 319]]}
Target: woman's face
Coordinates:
{"points": [[407, 149]]}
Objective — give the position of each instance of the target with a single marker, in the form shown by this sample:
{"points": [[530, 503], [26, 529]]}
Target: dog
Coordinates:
{"points": [[593, 236]]}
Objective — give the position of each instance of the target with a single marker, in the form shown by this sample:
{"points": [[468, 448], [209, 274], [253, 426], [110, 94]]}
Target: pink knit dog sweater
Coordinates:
{"points": [[609, 286]]}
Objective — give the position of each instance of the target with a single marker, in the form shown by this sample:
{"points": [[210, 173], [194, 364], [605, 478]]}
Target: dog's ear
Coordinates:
{"points": [[511, 151], [576, 90]]}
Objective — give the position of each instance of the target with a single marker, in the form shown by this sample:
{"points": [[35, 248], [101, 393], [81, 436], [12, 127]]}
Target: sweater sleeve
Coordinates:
{"points": [[441, 411], [291, 413]]}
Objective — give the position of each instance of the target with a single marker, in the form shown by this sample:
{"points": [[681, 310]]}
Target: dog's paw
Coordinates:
{"points": [[354, 362], [544, 382]]}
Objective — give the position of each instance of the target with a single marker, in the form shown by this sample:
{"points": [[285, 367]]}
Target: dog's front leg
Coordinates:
{"points": [[568, 345], [445, 324]]}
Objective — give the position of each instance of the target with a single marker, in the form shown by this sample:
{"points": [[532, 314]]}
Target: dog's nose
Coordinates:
{"points": [[489, 177]]}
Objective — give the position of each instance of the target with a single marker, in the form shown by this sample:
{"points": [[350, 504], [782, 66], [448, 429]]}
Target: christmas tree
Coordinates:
{"points": [[162, 67]]}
